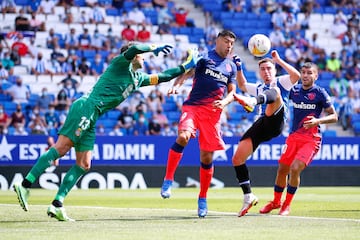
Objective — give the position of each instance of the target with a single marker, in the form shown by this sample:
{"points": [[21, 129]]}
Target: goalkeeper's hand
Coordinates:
{"points": [[166, 49], [238, 63], [192, 59]]}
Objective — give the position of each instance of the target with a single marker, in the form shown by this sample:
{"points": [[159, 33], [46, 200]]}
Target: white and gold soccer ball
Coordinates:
{"points": [[259, 45]]}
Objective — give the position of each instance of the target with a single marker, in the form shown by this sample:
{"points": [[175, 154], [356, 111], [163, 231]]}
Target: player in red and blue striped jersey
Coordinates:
{"points": [[304, 141], [272, 97], [214, 83]]}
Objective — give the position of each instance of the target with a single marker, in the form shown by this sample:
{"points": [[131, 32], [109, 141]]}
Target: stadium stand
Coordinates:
{"points": [[244, 24]]}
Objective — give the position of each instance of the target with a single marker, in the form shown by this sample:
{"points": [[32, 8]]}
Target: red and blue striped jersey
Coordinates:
{"points": [[212, 76], [309, 102]]}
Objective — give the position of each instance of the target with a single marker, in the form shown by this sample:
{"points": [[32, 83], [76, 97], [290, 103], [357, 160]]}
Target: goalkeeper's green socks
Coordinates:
{"points": [[71, 177], [42, 163]]}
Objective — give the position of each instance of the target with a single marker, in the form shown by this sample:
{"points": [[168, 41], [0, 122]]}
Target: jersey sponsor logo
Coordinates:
{"points": [[218, 76], [303, 105]]}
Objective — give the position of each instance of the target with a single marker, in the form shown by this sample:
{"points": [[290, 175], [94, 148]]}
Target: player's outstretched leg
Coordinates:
{"points": [[22, 195], [202, 207], [166, 189], [248, 103], [58, 213], [249, 201]]}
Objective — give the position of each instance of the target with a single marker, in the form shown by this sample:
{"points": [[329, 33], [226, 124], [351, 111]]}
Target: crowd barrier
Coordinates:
{"points": [[139, 163]]}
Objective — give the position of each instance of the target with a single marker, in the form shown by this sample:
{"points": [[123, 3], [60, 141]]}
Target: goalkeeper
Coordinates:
{"points": [[118, 81]]}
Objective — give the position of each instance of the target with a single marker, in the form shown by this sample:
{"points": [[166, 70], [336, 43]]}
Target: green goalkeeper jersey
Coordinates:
{"points": [[119, 80]]}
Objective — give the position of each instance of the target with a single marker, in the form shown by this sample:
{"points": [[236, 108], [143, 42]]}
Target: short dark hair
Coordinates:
{"points": [[310, 65], [126, 47], [227, 33], [265, 60]]}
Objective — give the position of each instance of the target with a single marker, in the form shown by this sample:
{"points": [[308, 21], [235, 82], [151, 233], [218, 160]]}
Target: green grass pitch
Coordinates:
{"points": [[316, 213]]}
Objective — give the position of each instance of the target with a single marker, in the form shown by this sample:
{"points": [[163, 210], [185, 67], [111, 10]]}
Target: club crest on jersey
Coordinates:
{"points": [[78, 132], [311, 96]]}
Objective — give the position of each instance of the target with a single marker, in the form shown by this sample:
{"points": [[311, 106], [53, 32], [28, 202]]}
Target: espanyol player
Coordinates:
{"points": [[273, 94]]}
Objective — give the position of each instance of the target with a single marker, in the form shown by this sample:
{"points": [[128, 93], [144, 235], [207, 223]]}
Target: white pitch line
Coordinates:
{"points": [[211, 212]]}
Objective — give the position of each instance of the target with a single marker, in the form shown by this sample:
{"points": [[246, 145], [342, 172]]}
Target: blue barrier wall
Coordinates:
{"points": [[152, 151]]}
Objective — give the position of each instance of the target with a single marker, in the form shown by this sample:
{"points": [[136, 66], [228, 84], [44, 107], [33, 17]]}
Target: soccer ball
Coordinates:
{"points": [[259, 45]]}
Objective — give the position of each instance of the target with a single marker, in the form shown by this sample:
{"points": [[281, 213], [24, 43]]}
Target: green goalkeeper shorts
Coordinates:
{"points": [[80, 124]]}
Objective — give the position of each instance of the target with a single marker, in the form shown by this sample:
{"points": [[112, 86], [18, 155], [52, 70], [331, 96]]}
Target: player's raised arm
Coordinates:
{"points": [[294, 74], [130, 51], [240, 77], [171, 73]]}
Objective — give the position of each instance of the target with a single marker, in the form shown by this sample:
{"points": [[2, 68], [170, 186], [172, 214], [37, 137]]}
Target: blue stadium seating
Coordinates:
{"points": [[356, 127], [184, 30], [22, 2], [169, 106], [113, 114], [128, 5], [173, 116], [4, 98], [112, 12], [80, 3], [329, 133]]}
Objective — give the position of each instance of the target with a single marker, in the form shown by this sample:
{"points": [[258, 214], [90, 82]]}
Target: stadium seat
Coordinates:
{"points": [[4, 98], [185, 30], [29, 79], [112, 12], [197, 31], [356, 127], [251, 16], [107, 123], [33, 98], [182, 38], [128, 5], [224, 16], [329, 10], [152, 15], [173, 116], [355, 118], [211, 6], [236, 117], [20, 70], [89, 79], [9, 106], [22, 2], [326, 76], [89, 54], [171, 106], [113, 115], [91, 27], [329, 133], [80, 3]]}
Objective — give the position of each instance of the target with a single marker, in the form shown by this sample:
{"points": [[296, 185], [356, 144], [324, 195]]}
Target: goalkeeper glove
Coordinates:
{"points": [[166, 49], [192, 59], [238, 63]]}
